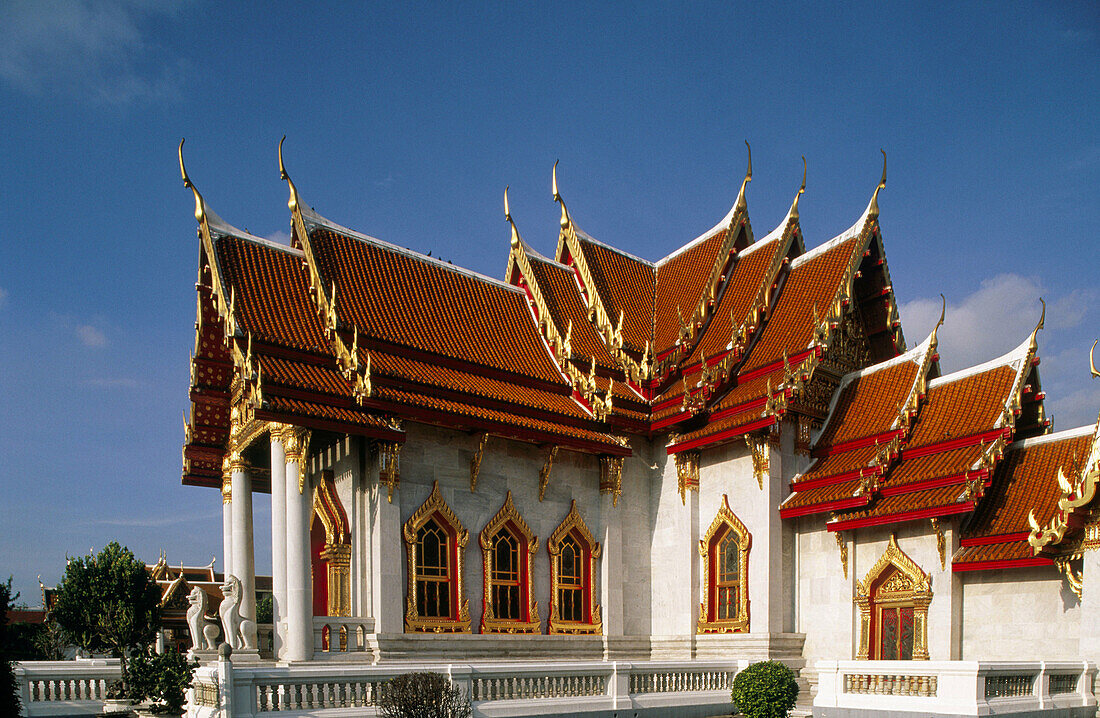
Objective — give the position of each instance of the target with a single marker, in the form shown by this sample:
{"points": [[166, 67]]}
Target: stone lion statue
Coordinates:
{"points": [[239, 631], [204, 629]]}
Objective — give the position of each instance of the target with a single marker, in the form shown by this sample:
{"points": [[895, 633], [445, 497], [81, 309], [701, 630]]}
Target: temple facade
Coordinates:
{"points": [[731, 452]]}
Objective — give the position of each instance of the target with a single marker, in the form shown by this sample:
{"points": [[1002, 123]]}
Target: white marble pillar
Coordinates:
{"points": [[227, 531], [244, 553], [611, 566], [278, 542], [299, 588]]}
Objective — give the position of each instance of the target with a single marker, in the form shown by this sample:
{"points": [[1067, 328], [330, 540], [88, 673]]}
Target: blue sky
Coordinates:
{"points": [[407, 121]]}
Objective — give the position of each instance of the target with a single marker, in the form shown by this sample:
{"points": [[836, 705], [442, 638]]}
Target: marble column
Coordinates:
{"points": [[299, 588], [244, 562], [227, 528], [611, 566], [278, 542]]}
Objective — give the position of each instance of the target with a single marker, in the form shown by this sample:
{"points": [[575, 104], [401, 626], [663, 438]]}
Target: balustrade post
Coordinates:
{"points": [[618, 685], [225, 680]]}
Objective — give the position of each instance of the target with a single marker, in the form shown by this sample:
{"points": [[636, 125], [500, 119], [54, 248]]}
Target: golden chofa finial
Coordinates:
{"points": [[1092, 364], [741, 203], [794, 205], [881, 186], [508, 217], [292, 203], [557, 196], [200, 204]]}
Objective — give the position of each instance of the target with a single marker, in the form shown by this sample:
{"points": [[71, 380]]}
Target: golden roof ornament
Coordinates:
{"points": [[794, 205], [873, 209], [1042, 320], [508, 217], [1092, 364], [200, 204], [557, 196], [292, 202], [741, 203], [939, 323]]}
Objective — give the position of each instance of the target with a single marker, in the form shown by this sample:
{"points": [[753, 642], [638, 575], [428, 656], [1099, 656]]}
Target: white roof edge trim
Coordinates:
{"points": [[1076, 433], [1016, 355], [770, 237], [581, 234], [850, 233], [913, 355], [313, 218], [722, 224]]}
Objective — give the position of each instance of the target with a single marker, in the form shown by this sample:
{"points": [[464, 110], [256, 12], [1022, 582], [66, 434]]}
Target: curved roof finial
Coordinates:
{"points": [[1042, 319], [508, 217], [292, 203], [794, 205], [557, 196], [741, 203], [881, 186], [200, 204], [1092, 363], [939, 323]]}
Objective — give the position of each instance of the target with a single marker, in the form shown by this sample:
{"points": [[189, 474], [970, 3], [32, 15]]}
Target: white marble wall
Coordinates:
{"points": [[1020, 613], [825, 612]]}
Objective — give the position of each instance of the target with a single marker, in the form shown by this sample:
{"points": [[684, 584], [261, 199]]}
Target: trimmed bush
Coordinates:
{"points": [[164, 677], [765, 690], [422, 695]]}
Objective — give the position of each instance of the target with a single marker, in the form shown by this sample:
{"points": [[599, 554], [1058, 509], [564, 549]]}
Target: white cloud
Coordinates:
{"points": [[281, 237], [91, 337], [3, 297], [99, 50]]}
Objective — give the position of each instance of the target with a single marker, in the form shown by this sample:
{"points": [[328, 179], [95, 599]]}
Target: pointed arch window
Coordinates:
{"points": [[893, 604], [573, 553], [725, 553], [435, 541], [330, 550], [507, 548]]}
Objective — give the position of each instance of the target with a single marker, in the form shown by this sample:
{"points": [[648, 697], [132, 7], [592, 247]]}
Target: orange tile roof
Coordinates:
{"points": [[1026, 480], [271, 293], [563, 298], [962, 407], [825, 495], [953, 462], [813, 282], [624, 284], [946, 498], [680, 283], [409, 300], [741, 289], [1016, 550], [838, 463], [869, 403]]}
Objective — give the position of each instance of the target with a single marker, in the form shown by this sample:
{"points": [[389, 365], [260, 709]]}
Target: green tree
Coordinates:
{"points": [[108, 603], [765, 690], [164, 677], [9, 689], [422, 695]]}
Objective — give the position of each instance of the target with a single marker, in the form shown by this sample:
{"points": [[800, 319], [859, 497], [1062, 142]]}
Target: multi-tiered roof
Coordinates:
{"points": [[726, 339]]}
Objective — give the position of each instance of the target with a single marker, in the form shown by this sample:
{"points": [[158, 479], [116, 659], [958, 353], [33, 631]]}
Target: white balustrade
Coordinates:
{"points": [[955, 687], [65, 687], [340, 634]]}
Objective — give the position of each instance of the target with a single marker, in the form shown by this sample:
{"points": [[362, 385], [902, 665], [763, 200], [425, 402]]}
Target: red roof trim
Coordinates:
{"points": [[934, 483], [670, 420], [849, 502], [1003, 563], [973, 439], [728, 434], [831, 479], [872, 440], [744, 406], [999, 538], [915, 514]]}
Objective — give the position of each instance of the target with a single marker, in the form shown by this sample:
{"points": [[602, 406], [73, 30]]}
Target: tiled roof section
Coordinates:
{"points": [[949, 499], [809, 284], [962, 407], [869, 404], [752, 389], [300, 375], [324, 412], [680, 283], [1015, 550], [728, 427], [741, 289], [953, 462], [625, 284], [839, 463], [563, 297], [503, 420], [825, 495], [1027, 479], [400, 298], [271, 294]]}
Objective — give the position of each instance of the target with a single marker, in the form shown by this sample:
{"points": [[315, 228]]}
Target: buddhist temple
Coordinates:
{"points": [[731, 453]]}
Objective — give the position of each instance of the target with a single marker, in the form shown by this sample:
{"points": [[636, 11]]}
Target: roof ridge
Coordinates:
{"points": [[1065, 434], [532, 254], [253, 239], [1017, 354], [722, 224], [581, 234], [311, 217], [851, 233]]}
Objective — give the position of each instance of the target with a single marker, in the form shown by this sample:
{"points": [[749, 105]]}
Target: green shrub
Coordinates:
{"points": [[164, 677], [422, 695], [765, 690]]}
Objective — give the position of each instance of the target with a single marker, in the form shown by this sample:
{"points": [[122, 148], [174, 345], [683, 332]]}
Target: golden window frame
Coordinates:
{"points": [[910, 586], [725, 519], [573, 523], [435, 506], [337, 551], [508, 515]]}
